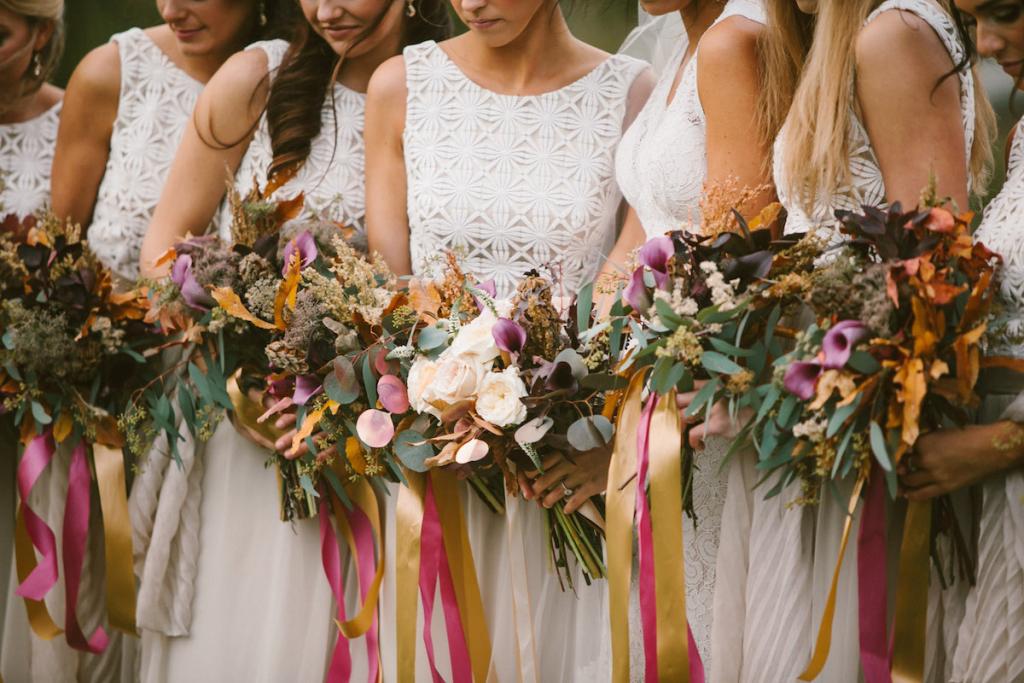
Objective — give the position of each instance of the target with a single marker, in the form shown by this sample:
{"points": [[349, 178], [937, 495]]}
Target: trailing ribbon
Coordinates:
{"points": [[340, 668], [76, 531], [41, 577], [117, 537], [872, 583], [408, 529], [824, 640], [526, 651], [645, 546], [911, 618], [38, 616]]}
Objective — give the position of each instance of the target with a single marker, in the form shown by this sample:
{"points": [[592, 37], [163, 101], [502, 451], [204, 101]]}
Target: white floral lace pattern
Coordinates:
{"points": [[156, 101], [512, 183], [866, 186], [26, 157], [662, 160], [332, 177]]}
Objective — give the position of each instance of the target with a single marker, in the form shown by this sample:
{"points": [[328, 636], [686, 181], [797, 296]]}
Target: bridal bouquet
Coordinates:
{"points": [[74, 354], [490, 385]]}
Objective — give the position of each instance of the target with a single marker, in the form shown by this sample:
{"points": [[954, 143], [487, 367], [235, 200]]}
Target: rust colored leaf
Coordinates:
{"points": [[227, 299], [354, 453], [913, 386], [287, 291], [62, 427], [424, 297]]}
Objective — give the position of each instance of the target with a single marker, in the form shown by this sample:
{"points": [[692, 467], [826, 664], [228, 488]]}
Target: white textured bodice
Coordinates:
{"points": [[866, 185], [332, 177], [512, 183], [156, 101], [1002, 231], [26, 156], [662, 161]]}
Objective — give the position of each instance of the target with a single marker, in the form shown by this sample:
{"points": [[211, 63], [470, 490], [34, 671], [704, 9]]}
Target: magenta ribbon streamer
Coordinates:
{"points": [[648, 592], [340, 670], [434, 567], [872, 581], [37, 456], [362, 531], [76, 531]]}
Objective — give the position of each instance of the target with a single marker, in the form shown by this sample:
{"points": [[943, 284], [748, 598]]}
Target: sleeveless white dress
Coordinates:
{"points": [[26, 155], [156, 101], [513, 183], [990, 646], [662, 167], [263, 610], [793, 551]]}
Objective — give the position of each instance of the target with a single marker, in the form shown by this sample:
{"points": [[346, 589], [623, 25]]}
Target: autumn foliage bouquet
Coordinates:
{"points": [[74, 354]]}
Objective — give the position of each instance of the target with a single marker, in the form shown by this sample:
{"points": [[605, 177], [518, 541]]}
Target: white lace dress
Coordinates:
{"points": [[662, 167], [514, 183], [263, 610], [991, 638], [156, 101], [793, 551], [26, 155]]}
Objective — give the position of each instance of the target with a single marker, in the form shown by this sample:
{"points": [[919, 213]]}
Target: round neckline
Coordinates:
{"points": [[167, 58], [548, 93], [55, 107]]}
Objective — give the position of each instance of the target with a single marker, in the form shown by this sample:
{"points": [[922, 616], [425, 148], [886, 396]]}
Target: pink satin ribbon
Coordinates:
{"points": [[366, 568], [872, 582], [434, 568], [37, 456], [76, 531], [340, 670], [645, 551]]}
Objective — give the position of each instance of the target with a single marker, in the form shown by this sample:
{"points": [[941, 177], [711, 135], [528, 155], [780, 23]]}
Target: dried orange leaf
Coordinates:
{"points": [[227, 299], [287, 291]]}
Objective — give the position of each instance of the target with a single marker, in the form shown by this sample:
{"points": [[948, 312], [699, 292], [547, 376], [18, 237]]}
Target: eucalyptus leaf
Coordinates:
{"points": [[706, 394], [584, 306], [666, 375], [879, 448], [716, 362], [575, 361], [413, 450], [588, 433], [534, 430], [40, 414], [431, 338]]}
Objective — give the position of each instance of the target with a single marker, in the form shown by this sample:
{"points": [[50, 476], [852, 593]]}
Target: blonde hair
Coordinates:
{"points": [[818, 125], [782, 50], [42, 12]]}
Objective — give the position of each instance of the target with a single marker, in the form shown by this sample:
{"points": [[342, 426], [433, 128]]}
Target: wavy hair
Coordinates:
{"points": [[782, 49], [41, 12], [299, 89]]}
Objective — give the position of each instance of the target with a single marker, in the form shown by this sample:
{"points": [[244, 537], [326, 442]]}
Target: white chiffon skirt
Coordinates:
{"points": [[570, 640], [263, 610]]}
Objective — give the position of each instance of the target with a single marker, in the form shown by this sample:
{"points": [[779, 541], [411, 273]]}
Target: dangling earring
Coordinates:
{"points": [[410, 9], [263, 13], [37, 65]]}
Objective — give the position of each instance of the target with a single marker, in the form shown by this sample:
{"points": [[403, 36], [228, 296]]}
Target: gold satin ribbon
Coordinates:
{"points": [[463, 568], [665, 446], [408, 526], [363, 497], [620, 503], [911, 609], [247, 412], [25, 559], [824, 641], [117, 537]]}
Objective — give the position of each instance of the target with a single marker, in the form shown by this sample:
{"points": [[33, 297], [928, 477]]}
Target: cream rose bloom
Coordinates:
{"points": [[456, 378], [421, 376], [476, 338], [499, 400]]}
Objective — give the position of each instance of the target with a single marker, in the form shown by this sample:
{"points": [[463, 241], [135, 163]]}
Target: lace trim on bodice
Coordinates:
{"points": [[866, 185], [26, 157], [512, 183], [662, 161], [1001, 231], [155, 103], [332, 177]]}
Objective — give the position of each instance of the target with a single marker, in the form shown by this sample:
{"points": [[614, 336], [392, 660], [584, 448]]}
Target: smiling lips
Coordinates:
{"points": [[342, 31], [1012, 68], [483, 24]]}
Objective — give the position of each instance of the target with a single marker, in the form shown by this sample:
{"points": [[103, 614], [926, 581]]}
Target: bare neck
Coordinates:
{"points": [[30, 106], [698, 20], [356, 71]]}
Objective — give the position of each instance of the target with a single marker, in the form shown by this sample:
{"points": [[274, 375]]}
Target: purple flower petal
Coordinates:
{"points": [[306, 387], [375, 428], [181, 268], [488, 288], [509, 335], [306, 247], [194, 294], [393, 394], [636, 294], [839, 341], [801, 379], [656, 255]]}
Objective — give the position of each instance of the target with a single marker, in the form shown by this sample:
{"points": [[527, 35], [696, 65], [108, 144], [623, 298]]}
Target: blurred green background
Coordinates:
{"points": [[91, 22]]}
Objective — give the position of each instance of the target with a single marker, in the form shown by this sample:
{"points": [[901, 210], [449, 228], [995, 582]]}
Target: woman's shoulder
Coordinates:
{"points": [[388, 83], [97, 77], [903, 44]]}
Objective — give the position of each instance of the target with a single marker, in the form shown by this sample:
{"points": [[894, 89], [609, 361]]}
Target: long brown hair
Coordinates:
{"points": [[299, 88]]}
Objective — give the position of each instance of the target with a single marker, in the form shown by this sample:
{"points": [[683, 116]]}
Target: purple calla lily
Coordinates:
{"points": [[194, 294], [801, 379], [305, 245], [509, 335], [636, 294], [306, 387], [837, 346], [490, 289], [656, 255]]}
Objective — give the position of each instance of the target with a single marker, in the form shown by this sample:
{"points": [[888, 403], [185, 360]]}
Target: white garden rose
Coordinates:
{"points": [[421, 376], [499, 400], [457, 378], [476, 338]]}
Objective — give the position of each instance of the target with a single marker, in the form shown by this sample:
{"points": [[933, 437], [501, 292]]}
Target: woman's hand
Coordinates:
{"points": [[719, 423], [575, 480], [283, 445], [947, 460]]}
